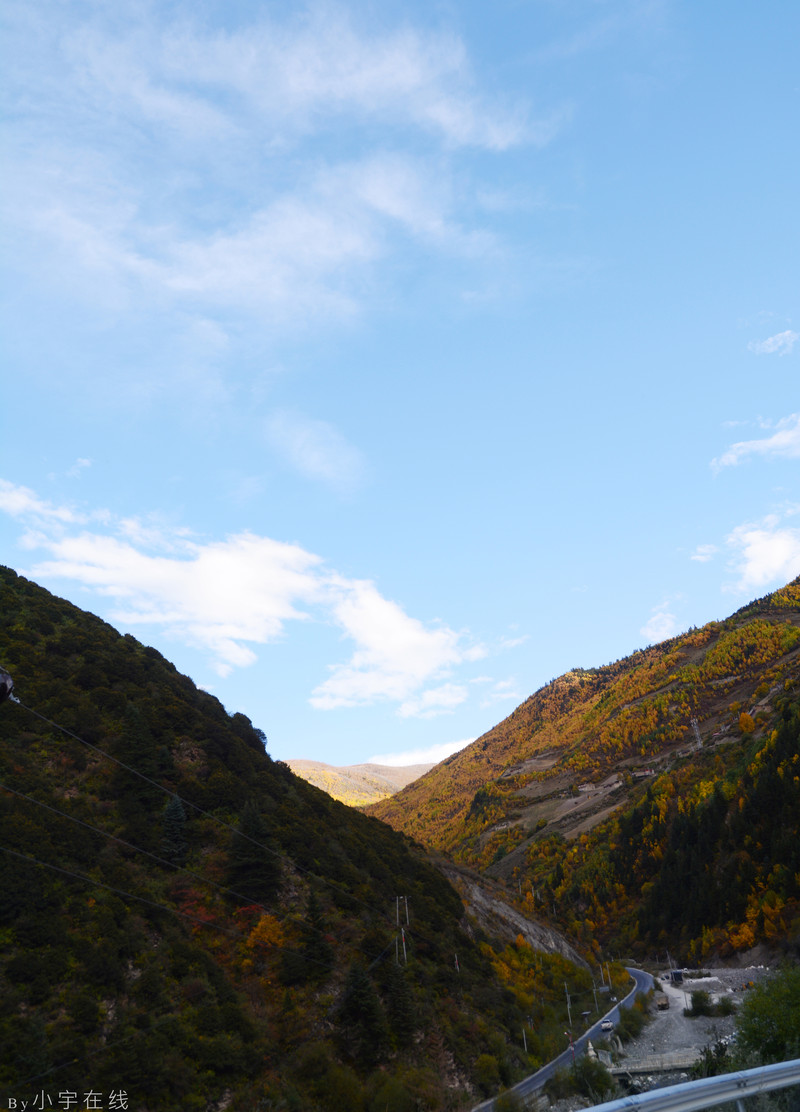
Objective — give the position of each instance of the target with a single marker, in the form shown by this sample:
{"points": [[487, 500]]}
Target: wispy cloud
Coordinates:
{"points": [[779, 344], [765, 553], [784, 442], [112, 106], [704, 552], [289, 256], [78, 466], [229, 597], [430, 755], [316, 449], [434, 701], [21, 502], [661, 624], [299, 71], [501, 691]]}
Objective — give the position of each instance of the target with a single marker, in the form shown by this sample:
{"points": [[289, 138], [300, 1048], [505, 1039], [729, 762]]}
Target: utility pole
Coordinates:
{"points": [[594, 990], [405, 955], [525, 1041], [569, 1009]]}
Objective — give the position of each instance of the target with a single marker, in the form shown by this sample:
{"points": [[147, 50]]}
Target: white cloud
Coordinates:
{"points": [[289, 255], [661, 625], [295, 72], [784, 442], [20, 502], [300, 254], [431, 755], [704, 552], [501, 690], [219, 597], [407, 194], [434, 701], [151, 156], [316, 449], [78, 466], [319, 64], [781, 342], [396, 656], [766, 553], [224, 597]]}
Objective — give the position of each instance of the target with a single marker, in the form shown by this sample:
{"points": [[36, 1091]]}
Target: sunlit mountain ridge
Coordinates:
{"points": [[645, 802]]}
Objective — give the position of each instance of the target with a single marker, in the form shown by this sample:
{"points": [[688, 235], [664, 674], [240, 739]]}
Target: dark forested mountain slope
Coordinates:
{"points": [[185, 919], [653, 801]]}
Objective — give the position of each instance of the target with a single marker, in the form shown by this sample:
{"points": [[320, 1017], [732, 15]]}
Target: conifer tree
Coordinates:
{"points": [[317, 949], [138, 798], [173, 841], [314, 959], [400, 1004], [362, 1023], [254, 868]]}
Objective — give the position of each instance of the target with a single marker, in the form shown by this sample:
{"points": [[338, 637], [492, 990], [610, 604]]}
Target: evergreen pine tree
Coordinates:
{"points": [[138, 799], [362, 1023], [314, 960], [400, 1004], [317, 949], [173, 840], [254, 868]]}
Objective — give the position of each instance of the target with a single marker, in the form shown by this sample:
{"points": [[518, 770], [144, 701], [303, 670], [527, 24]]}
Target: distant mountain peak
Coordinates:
{"points": [[358, 784]]}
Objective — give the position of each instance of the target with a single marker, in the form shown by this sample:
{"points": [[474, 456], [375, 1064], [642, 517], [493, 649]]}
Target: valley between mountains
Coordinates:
{"points": [[186, 920], [648, 803]]}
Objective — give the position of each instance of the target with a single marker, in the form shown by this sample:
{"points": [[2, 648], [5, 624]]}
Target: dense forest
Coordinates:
{"points": [[706, 862], [186, 921], [649, 803]]}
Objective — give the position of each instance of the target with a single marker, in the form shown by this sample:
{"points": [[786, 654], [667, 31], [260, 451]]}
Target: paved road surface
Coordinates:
{"points": [[644, 982]]}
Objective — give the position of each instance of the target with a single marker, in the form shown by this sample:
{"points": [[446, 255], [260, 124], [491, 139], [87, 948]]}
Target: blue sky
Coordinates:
{"points": [[379, 362]]}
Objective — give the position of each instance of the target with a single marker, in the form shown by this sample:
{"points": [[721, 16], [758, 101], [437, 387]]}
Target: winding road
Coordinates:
{"points": [[643, 983]]}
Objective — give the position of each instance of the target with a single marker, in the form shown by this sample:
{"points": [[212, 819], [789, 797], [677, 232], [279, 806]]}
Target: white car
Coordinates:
{"points": [[606, 1025]]}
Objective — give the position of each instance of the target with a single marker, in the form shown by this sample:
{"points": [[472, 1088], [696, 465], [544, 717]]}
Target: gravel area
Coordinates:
{"points": [[671, 1033]]}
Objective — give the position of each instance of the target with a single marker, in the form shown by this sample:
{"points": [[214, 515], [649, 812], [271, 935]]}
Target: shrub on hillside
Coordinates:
{"points": [[768, 1024], [632, 1021]]}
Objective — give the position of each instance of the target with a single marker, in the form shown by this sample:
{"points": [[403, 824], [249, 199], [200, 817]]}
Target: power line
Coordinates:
{"points": [[165, 907], [119, 891], [200, 810], [246, 900], [214, 818]]}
